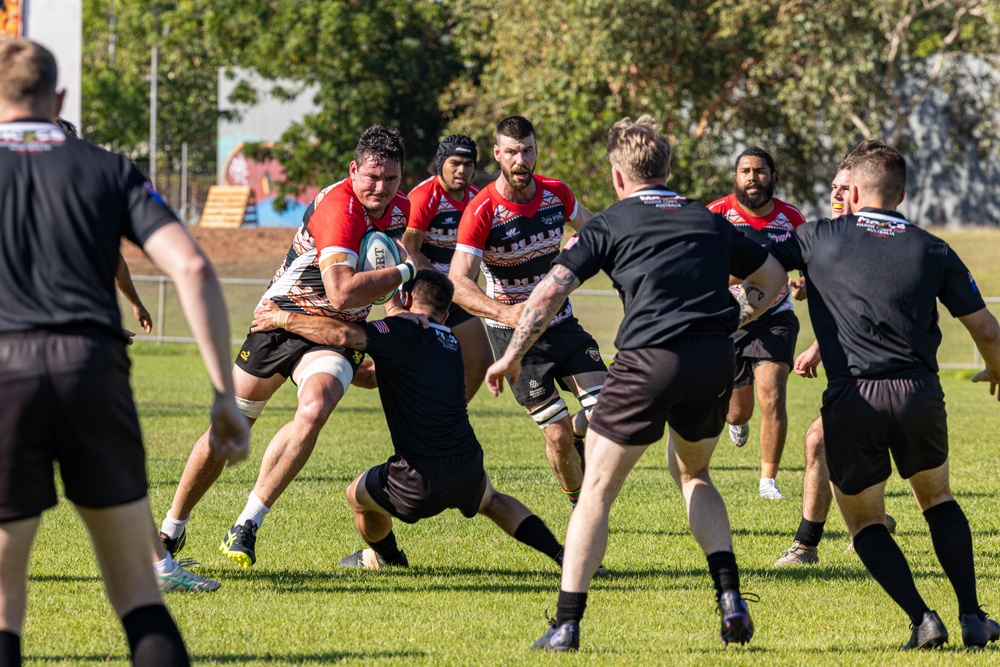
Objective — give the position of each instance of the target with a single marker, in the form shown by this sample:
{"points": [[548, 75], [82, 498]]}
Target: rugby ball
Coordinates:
{"points": [[378, 251]]}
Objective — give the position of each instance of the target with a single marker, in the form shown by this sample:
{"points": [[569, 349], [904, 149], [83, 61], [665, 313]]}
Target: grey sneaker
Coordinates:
{"points": [[369, 560], [181, 580], [739, 433], [768, 489], [798, 554]]}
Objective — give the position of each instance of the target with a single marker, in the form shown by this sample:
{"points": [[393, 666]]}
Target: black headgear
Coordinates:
{"points": [[455, 144]]}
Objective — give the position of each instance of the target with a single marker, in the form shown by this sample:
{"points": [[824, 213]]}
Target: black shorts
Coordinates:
{"points": [[66, 397], [457, 315], [417, 488], [866, 420], [687, 384], [265, 353], [562, 351], [770, 338]]}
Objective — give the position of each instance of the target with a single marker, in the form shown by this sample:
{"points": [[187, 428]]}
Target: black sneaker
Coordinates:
{"points": [[601, 570], [565, 637], [369, 560], [737, 626], [238, 544], [931, 632], [174, 545], [978, 630]]}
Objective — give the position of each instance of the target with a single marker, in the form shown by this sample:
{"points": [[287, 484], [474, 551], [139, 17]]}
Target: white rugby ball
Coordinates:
{"points": [[378, 251]]}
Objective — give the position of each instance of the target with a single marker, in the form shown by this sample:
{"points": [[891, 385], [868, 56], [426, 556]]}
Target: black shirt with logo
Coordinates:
{"points": [[873, 281], [670, 259]]}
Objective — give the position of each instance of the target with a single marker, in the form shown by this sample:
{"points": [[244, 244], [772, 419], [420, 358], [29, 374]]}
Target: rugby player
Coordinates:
{"points": [[671, 259], [66, 395], [436, 206], [513, 230], [765, 349], [438, 462], [319, 276], [874, 281]]}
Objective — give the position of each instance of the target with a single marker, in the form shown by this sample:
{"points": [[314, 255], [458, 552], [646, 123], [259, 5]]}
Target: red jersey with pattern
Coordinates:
{"points": [[436, 214], [517, 242], [334, 223], [774, 227]]}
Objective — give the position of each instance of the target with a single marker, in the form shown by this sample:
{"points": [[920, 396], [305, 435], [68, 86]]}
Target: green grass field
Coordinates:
{"points": [[476, 597]]}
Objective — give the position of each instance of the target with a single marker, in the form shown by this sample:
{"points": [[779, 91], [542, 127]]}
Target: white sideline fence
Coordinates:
{"points": [[242, 295]]}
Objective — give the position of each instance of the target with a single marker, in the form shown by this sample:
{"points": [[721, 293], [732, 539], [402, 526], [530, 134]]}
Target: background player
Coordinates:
{"points": [[765, 349], [438, 462], [65, 390], [436, 206], [319, 276], [513, 229], [874, 282], [671, 260]]}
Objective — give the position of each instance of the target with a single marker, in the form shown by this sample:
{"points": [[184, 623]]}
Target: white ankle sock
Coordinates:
{"points": [[255, 511], [172, 527], [165, 566]]}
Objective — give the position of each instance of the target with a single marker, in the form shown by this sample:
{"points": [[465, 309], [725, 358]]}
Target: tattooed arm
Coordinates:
{"points": [[760, 289], [545, 301]]}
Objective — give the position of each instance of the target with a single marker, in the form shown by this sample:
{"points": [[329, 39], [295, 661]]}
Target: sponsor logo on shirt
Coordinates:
{"points": [[447, 340], [552, 219], [245, 354], [594, 353], [881, 227], [512, 232]]}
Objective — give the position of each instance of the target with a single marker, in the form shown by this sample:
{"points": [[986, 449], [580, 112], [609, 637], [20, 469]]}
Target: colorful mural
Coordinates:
{"points": [[263, 178], [11, 19]]}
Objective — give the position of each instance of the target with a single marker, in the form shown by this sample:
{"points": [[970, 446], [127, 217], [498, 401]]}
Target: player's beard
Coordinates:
{"points": [[757, 200], [517, 185]]}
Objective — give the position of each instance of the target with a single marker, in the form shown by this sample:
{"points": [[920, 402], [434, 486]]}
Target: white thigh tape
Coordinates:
{"points": [[332, 364], [550, 413], [251, 409]]}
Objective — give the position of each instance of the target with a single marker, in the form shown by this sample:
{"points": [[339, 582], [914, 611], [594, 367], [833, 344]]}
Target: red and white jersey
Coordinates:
{"points": [[334, 223], [774, 227], [517, 242], [436, 214]]}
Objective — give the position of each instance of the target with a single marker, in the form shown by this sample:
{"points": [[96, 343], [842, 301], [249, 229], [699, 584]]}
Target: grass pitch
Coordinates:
{"points": [[475, 596]]}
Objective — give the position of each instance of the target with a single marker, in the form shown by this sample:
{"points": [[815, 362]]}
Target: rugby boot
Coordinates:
{"points": [[978, 629], [737, 626], [564, 637], [369, 560], [174, 545], [183, 580], [798, 554], [739, 433], [239, 544], [930, 633]]}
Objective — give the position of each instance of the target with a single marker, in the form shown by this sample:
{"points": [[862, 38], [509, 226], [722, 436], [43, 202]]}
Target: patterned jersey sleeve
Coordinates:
{"points": [[423, 206], [337, 226], [474, 228], [564, 193], [794, 215]]}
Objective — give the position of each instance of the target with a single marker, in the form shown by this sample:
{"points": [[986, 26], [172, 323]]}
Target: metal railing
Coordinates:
{"points": [[599, 317]]}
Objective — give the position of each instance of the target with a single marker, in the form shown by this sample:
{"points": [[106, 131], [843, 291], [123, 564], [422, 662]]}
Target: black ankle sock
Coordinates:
{"points": [[725, 573], [153, 638], [810, 532], [952, 540], [386, 548], [887, 564], [533, 532], [10, 649], [570, 606]]}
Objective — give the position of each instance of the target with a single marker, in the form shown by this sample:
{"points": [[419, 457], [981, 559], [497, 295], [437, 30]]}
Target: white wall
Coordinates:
{"points": [[58, 26]]}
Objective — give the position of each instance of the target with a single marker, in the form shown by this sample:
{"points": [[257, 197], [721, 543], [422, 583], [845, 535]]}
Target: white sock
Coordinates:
{"points": [[172, 527], [255, 511], [165, 566]]}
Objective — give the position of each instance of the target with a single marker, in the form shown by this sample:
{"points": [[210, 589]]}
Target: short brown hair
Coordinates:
{"points": [[879, 168], [638, 150], [432, 288], [28, 72]]}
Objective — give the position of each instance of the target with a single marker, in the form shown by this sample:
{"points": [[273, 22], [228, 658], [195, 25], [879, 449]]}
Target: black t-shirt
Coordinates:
{"points": [[670, 259], [421, 381], [873, 282], [65, 204]]}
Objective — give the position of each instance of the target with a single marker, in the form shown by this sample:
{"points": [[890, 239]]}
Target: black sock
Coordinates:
{"points": [[570, 606], [533, 532], [386, 548], [809, 532], [10, 649], [887, 564], [952, 540], [725, 573], [153, 638]]}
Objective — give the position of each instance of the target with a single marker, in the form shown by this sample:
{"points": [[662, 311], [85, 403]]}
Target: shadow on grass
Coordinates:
{"points": [[331, 657]]}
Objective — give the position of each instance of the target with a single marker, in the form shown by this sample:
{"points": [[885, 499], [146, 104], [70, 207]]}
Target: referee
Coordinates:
{"points": [[64, 207], [874, 281], [670, 259]]}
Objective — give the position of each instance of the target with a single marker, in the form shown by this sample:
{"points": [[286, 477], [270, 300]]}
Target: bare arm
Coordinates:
{"points": [[177, 254], [347, 288], [413, 241], [583, 214], [544, 302], [322, 330], [760, 289], [468, 295], [985, 333], [123, 279]]}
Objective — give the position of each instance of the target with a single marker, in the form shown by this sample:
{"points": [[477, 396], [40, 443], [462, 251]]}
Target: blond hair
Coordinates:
{"points": [[638, 150], [28, 73]]}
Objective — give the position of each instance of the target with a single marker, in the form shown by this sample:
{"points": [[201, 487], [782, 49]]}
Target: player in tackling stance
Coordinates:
{"points": [[874, 282], [438, 462], [670, 259]]}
